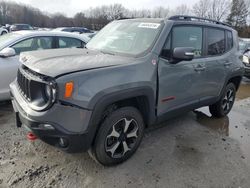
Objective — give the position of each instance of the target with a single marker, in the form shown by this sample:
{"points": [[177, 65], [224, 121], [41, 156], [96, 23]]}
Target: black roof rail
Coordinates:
{"points": [[194, 18]]}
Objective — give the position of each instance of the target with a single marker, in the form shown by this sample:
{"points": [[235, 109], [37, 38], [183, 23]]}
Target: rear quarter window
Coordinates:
{"points": [[229, 37], [67, 42]]}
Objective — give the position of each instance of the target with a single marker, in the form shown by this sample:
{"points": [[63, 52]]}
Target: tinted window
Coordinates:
{"points": [[36, 43], [184, 36], [215, 41], [65, 42], [229, 40]]}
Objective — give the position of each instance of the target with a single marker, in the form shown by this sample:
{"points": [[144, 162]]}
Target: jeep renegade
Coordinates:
{"points": [[133, 74]]}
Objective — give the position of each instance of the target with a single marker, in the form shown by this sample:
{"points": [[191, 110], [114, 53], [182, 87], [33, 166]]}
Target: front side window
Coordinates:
{"points": [[215, 41], [126, 37], [184, 36], [66, 42], [32, 44]]}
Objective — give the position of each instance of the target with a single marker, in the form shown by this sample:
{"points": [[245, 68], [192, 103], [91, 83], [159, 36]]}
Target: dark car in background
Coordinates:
{"points": [[79, 30], [244, 47], [19, 27]]}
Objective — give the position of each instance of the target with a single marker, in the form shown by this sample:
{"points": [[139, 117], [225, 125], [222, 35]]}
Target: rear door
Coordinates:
{"points": [[181, 84], [218, 61]]}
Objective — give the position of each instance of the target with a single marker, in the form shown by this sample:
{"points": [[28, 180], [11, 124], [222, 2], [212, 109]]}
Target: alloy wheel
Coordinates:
{"points": [[121, 138], [228, 100]]}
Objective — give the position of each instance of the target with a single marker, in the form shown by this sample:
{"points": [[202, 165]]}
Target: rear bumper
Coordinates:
{"points": [[60, 122]]}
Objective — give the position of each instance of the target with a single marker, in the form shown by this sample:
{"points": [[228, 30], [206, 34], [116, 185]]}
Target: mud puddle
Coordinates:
{"points": [[236, 126], [244, 90]]}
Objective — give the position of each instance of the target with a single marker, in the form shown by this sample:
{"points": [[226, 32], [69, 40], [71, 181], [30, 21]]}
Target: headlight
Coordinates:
{"points": [[48, 91], [245, 59], [45, 96]]}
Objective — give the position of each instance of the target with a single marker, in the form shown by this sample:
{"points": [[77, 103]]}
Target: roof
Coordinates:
{"points": [[26, 33], [154, 20], [185, 20]]}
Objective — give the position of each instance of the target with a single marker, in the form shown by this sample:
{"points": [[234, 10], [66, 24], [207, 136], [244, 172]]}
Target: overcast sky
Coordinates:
{"points": [[70, 7]]}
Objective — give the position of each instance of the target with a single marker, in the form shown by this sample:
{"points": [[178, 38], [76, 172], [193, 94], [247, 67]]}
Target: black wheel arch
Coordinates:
{"points": [[234, 78], [144, 95]]}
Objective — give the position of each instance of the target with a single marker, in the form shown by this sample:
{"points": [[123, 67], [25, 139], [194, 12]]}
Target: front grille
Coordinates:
{"points": [[24, 84], [31, 86]]}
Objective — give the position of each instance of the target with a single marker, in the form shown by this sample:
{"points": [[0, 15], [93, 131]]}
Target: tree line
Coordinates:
{"points": [[234, 12]]}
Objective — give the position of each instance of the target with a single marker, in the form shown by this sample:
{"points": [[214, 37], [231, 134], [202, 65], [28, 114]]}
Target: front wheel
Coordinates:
{"points": [[119, 136], [225, 104]]}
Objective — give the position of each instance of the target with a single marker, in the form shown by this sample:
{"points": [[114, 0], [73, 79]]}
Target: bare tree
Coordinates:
{"points": [[160, 12], [116, 11], [219, 9], [182, 10], [213, 9], [200, 9], [144, 13], [238, 15]]}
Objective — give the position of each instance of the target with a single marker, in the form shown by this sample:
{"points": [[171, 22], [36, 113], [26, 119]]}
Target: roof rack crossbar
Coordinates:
{"points": [[193, 18]]}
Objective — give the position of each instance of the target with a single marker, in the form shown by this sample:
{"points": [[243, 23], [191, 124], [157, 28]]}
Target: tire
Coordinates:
{"points": [[225, 104], [4, 33], [114, 144]]}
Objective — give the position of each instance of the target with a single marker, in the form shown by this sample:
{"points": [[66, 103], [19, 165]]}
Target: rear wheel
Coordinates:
{"points": [[225, 104], [3, 33], [119, 136]]}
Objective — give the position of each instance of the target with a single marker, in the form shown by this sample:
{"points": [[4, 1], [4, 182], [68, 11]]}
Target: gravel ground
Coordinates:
{"points": [[193, 150]]}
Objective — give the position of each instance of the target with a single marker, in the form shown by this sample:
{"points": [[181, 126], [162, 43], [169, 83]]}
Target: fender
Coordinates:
{"points": [[110, 98], [238, 73]]}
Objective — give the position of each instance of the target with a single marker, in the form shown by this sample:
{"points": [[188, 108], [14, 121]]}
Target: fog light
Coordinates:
{"points": [[46, 126], [63, 142]]}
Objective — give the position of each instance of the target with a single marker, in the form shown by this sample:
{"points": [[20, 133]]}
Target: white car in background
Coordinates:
{"points": [[12, 44], [3, 31]]}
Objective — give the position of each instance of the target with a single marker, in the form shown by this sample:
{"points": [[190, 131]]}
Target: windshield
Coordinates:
{"points": [[125, 37], [6, 39]]}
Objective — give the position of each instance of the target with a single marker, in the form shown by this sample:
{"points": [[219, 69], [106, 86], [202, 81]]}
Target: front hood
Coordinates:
{"points": [[56, 62]]}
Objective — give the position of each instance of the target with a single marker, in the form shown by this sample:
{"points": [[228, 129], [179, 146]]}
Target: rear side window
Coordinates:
{"points": [[215, 41], [229, 36]]}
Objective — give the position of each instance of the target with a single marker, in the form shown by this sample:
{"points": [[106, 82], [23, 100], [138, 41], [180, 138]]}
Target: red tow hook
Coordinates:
{"points": [[31, 136]]}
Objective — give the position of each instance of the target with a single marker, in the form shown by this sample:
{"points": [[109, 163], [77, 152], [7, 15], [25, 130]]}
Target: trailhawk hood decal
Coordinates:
{"points": [[62, 61]]}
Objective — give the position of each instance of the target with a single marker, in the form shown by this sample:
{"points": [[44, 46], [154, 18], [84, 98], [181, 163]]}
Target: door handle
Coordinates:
{"points": [[199, 68], [228, 63]]}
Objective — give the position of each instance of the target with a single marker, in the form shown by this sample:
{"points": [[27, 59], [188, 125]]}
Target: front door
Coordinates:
{"points": [[181, 84], [8, 72]]}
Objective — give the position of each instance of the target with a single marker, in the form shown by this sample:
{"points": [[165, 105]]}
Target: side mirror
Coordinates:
{"points": [[7, 52], [245, 59], [183, 53]]}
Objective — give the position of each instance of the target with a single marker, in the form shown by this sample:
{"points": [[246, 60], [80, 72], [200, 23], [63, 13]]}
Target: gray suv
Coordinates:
{"points": [[133, 74]]}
